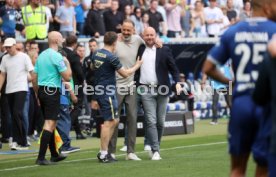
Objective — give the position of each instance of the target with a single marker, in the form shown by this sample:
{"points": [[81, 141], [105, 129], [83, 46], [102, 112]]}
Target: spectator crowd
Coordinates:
{"points": [[92, 18]]}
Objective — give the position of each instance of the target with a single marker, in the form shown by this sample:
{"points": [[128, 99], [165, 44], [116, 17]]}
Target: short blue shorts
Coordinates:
{"points": [[108, 107], [248, 130]]}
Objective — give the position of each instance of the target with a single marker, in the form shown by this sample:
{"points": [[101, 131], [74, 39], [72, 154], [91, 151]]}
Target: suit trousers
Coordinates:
{"points": [[155, 106], [129, 98]]}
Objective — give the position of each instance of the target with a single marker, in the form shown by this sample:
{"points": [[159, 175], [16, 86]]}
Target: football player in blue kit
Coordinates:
{"points": [[105, 64], [245, 43]]}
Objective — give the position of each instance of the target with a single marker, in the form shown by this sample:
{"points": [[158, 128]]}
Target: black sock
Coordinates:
{"points": [[44, 141], [52, 146]]}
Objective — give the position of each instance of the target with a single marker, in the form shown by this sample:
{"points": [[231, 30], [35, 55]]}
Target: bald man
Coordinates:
{"points": [[50, 68], [155, 87]]}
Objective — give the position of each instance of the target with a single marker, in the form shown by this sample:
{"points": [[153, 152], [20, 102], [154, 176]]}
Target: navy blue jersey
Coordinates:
{"points": [[245, 43], [105, 64]]}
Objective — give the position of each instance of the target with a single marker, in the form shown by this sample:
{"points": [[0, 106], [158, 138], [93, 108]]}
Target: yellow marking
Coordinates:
{"points": [[102, 55], [111, 105]]}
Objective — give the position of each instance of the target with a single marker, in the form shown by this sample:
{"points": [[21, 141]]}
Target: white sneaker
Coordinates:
{"points": [[22, 148], [13, 146], [147, 148], [124, 149], [132, 156], [156, 156], [29, 143], [214, 123]]}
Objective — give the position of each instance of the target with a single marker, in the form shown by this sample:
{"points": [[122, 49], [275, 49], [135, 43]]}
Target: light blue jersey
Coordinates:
{"points": [[48, 67]]}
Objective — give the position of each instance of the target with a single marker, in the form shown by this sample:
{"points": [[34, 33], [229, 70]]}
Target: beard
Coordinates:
{"points": [[127, 39]]}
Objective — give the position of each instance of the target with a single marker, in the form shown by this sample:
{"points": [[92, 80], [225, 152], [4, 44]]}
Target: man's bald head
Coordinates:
{"points": [[149, 36], [149, 30], [55, 38]]}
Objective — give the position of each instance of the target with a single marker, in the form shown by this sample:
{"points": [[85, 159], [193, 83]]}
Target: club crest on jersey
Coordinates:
{"points": [[98, 63]]}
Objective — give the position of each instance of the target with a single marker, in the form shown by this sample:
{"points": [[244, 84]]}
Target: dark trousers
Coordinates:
{"points": [[6, 122], [215, 106], [16, 103], [76, 112], [35, 115], [173, 34]]}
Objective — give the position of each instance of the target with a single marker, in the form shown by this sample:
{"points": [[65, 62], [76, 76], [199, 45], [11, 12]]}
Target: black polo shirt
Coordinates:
{"points": [[155, 19]]}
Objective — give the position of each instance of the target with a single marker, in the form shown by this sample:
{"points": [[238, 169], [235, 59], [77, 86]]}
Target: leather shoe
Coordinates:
{"points": [[60, 157], [44, 162], [80, 137]]}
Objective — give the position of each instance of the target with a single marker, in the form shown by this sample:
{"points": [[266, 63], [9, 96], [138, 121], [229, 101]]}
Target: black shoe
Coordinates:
{"points": [[112, 158], [44, 162], [60, 157], [107, 159], [80, 137]]}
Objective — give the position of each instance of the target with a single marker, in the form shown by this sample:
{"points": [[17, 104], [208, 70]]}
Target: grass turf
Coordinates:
{"points": [[202, 154]]}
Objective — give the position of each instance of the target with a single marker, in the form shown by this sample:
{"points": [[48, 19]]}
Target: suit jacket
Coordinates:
{"points": [[164, 65], [76, 67]]}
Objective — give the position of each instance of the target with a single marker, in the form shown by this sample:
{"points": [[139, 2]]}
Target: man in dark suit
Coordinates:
{"points": [[78, 78], [155, 87]]}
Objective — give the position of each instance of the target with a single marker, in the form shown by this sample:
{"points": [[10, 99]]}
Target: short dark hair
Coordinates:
{"points": [[29, 41], [80, 45], [110, 37], [258, 4], [93, 40], [129, 21], [71, 40], [33, 42]]}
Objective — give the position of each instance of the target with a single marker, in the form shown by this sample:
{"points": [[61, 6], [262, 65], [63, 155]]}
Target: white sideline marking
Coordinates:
{"points": [[79, 160], [35, 155]]}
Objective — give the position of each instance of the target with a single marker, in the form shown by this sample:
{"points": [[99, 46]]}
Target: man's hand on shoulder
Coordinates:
{"points": [[139, 61], [158, 43]]}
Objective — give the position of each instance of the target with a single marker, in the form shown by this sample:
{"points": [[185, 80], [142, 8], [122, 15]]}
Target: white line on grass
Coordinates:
{"points": [[79, 160], [35, 155]]}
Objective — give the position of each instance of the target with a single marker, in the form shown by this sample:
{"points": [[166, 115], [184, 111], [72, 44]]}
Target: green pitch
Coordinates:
{"points": [[202, 154]]}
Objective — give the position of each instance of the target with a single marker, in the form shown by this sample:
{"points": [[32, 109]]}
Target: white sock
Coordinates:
{"points": [[103, 154]]}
